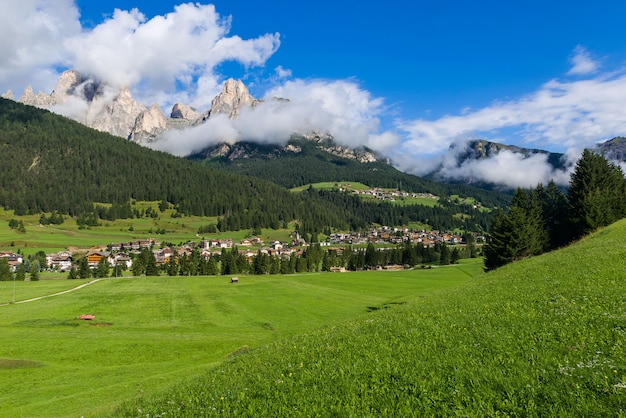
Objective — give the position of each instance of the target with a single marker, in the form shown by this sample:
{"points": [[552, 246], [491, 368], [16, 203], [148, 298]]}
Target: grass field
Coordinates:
{"points": [[154, 333], [54, 238], [542, 337], [355, 186]]}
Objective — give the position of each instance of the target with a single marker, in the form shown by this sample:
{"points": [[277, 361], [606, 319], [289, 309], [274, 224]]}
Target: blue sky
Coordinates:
{"points": [[406, 78]]}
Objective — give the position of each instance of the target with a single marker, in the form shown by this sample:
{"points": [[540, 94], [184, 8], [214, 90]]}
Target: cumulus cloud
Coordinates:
{"points": [[164, 59], [32, 34], [282, 72], [341, 108], [181, 48]]}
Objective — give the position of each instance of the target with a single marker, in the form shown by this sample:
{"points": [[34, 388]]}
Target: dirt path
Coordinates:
{"points": [[55, 294]]}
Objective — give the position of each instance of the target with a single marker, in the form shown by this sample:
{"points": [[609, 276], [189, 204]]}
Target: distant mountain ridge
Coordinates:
{"points": [[466, 154], [323, 142], [480, 149]]}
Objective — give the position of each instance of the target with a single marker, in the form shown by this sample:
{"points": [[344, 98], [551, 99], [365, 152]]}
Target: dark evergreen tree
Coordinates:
{"points": [[498, 250], [102, 269], [212, 267], [151, 266], [455, 255], [597, 194], [554, 212], [84, 272], [444, 254], [20, 272], [73, 274], [5, 270]]}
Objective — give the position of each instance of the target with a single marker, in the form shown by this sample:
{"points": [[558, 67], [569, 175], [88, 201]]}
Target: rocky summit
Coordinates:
{"points": [[119, 114], [233, 97]]}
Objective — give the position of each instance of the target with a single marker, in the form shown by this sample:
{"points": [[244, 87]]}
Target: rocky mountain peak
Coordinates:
{"points": [[149, 124], [117, 117], [182, 111], [66, 84], [233, 97]]}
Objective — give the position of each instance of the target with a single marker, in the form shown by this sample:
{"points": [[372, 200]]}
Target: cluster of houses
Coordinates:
{"points": [[13, 259], [121, 253], [385, 234], [386, 194]]}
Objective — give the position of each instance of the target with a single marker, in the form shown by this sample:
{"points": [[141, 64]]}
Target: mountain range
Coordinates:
{"points": [[106, 109]]}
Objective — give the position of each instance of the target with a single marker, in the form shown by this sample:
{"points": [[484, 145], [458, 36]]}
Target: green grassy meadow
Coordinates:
{"points": [[54, 238], [152, 334], [542, 337], [354, 186]]}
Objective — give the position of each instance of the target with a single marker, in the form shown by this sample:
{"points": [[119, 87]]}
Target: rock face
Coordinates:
{"points": [[148, 125], [182, 111], [118, 117], [613, 149], [233, 97]]}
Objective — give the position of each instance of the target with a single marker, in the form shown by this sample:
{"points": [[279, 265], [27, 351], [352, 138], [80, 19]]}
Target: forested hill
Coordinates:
{"points": [[312, 164], [50, 163]]}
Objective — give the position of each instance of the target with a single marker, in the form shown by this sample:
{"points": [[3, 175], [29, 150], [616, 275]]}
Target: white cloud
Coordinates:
{"points": [[559, 116], [507, 168], [341, 108], [32, 33], [582, 63], [162, 59], [183, 47], [282, 72]]}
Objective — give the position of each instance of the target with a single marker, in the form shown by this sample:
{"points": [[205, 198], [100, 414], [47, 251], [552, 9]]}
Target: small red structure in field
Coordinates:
{"points": [[87, 317], [234, 279]]}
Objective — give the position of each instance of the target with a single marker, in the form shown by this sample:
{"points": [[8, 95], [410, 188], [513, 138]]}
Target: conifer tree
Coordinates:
{"points": [[5, 270], [20, 272], [554, 213], [597, 194], [498, 251]]}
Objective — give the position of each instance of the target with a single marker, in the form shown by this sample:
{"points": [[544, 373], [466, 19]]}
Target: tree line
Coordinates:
{"points": [[546, 218]]}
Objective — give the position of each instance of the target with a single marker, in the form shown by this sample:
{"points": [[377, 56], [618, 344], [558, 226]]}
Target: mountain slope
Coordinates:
{"points": [[304, 161], [51, 163]]}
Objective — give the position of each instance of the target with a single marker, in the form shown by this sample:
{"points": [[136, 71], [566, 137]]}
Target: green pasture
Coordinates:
{"points": [[155, 333], [543, 337], [333, 185], [54, 238], [352, 186]]}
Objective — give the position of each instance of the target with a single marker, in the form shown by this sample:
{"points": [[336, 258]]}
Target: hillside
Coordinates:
{"points": [[304, 161], [542, 337], [51, 163]]}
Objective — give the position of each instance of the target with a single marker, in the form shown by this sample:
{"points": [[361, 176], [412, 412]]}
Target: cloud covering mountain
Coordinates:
{"points": [[179, 57]]}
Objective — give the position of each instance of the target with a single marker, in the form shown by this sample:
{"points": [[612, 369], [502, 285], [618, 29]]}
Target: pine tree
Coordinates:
{"points": [[498, 251], [597, 194], [84, 272], [151, 266], [20, 272], [444, 257], [554, 212], [5, 270]]}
